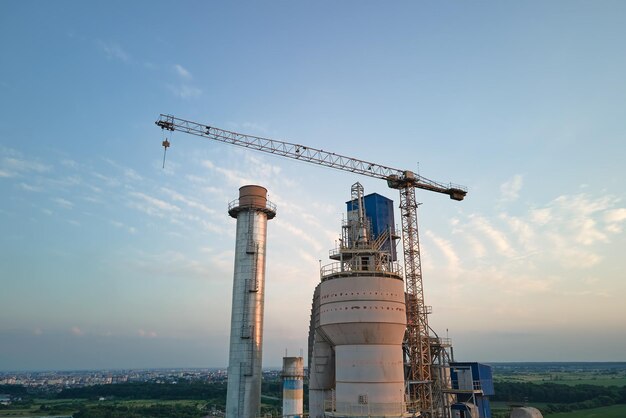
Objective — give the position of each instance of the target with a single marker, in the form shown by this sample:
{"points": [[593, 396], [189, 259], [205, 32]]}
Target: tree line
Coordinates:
{"points": [[141, 390], [555, 393], [560, 398]]}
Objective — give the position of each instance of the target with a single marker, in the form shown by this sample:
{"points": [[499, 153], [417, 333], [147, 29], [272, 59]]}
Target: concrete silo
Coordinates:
{"points": [[252, 210], [359, 315]]}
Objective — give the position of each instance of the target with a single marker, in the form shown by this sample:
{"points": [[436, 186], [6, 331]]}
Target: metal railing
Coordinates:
{"points": [[462, 386], [440, 341], [268, 205], [336, 268]]}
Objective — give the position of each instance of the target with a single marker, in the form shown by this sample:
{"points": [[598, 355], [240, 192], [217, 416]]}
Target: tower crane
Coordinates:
{"points": [[417, 340]]}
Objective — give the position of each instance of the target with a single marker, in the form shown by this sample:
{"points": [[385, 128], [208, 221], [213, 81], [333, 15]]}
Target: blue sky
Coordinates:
{"points": [[108, 260]]}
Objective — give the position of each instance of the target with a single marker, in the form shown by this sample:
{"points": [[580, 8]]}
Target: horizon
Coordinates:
{"points": [[266, 368]]}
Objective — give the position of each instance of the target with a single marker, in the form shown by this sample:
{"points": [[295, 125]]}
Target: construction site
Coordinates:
{"points": [[371, 351]]}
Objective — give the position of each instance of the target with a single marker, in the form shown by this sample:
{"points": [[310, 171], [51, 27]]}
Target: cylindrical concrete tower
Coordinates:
{"points": [[359, 311], [252, 210], [363, 315], [293, 387]]}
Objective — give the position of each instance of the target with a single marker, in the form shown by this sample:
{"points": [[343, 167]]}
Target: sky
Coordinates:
{"points": [[108, 260]]}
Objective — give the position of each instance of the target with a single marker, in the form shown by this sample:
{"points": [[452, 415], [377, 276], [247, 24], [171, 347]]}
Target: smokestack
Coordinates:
{"points": [[293, 387], [252, 210]]}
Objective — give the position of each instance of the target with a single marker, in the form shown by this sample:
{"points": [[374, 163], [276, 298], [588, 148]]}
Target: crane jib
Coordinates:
{"points": [[396, 178]]}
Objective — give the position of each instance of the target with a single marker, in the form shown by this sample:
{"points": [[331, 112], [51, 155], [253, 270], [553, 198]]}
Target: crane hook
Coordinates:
{"points": [[166, 145]]}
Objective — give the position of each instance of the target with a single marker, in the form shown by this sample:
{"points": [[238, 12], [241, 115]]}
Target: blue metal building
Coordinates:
{"points": [[472, 384], [379, 212]]}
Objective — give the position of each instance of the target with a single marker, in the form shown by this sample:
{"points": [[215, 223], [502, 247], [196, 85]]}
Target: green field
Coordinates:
{"points": [[565, 379], [615, 411], [67, 407]]}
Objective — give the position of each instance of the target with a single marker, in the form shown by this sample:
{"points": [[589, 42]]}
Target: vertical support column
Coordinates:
{"points": [[417, 330], [252, 210]]}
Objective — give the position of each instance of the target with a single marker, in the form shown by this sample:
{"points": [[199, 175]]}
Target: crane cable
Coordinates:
{"points": [[166, 145]]}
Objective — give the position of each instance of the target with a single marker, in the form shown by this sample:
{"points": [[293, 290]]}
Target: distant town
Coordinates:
{"points": [[58, 380]]}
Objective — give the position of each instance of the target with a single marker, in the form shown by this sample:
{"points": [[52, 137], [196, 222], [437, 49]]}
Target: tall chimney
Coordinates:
{"points": [[252, 210], [293, 383]]}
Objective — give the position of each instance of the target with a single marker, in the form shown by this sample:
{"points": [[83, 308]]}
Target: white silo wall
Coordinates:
{"points": [[364, 317]]}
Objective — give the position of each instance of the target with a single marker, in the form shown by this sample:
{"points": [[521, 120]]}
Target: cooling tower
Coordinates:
{"points": [[252, 210]]}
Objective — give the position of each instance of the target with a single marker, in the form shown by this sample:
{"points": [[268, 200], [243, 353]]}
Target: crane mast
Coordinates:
{"points": [[417, 340]]}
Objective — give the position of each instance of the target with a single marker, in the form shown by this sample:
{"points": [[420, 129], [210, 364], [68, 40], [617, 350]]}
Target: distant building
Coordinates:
{"points": [[5, 399]]}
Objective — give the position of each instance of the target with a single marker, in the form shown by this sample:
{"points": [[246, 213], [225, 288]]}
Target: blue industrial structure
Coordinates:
{"points": [[472, 384], [379, 212]]}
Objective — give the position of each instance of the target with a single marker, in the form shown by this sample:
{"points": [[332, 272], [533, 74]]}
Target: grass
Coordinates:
{"points": [[614, 411], [66, 407], [569, 379]]}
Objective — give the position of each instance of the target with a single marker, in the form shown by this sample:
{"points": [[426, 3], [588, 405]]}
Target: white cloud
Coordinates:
{"points": [[29, 188], [129, 173], [541, 216], [264, 167], [132, 174], [114, 51], [566, 235], [510, 189], [13, 166], [223, 260], [109, 181], [121, 225], [578, 212], [615, 215], [477, 247], [447, 250], [186, 218], [234, 177], [69, 163], [307, 256], [497, 237], [182, 71], [299, 234], [176, 265], [177, 197], [250, 169], [522, 230], [66, 204], [184, 91], [614, 219], [152, 205]]}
